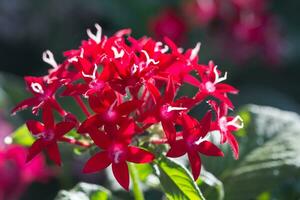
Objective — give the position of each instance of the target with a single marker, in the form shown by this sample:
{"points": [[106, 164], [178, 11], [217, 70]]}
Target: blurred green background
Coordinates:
{"points": [[27, 28]]}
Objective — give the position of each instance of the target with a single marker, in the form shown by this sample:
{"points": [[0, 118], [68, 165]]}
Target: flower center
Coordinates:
{"points": [[48, 135], [117, 153], [96, 84], [210, 87], [223, 124]]}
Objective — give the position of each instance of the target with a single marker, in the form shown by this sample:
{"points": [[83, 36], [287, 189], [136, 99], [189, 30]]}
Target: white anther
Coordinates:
{"points": [[195, 51], [217, 78], [97, 37], [148, 59], [117, 156], [81, 52], [36, 87], [134, 68], [74, 59], [93, 76], [116, 53], [202, 139], [171, 108], [236, 122], [158, 45], [49, 58]]}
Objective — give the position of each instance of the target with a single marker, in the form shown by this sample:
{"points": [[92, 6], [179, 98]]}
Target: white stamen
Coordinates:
{"points": [[8, 140], [74, 59], [97, 37], [148, 59], [202, 139], [219, 79], [117, 156], [49, 58], [134, 69], [36, 87], [195, 51], [236, 122], [171, 108], [93, 76], [116, 53], [81, 52], [158, 45]]}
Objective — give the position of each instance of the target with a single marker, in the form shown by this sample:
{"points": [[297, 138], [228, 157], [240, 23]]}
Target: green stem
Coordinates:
{"points": [[137, 192]]}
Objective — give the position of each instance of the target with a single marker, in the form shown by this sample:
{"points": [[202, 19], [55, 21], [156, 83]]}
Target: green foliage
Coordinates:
{"points": [[176, 181], [85, 191], [22, 136]]}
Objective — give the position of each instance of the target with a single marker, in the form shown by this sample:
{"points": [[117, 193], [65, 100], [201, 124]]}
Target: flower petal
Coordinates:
{"points": [[129, 106], [234, 145], [138, 155], [100, 138], [177, 149], [97, 162], [195, 161], [35, 127], [53, 152], [88, 124], [121, 173], [48, 118], [170, 90], [35, 149], [169, 130], [209, 149], [25, 104], [63, 128]]}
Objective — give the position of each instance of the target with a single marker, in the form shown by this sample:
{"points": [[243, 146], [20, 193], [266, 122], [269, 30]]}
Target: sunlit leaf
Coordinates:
{"points": [[22, 136]]}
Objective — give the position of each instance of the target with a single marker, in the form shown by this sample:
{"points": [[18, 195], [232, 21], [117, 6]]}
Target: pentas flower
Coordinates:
{"points": [[48, 134], [43, 95], [226, 125], [116, 151], [124, 86], [194, 141]]}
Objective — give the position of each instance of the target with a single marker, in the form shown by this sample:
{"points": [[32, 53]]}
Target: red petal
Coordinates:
{"points": [[25, 104], [96, 163], [96, 104], [35, 127], [129, 106], [138, 155], [100, 138], [121, 173], [63, 128], [170, 91], [177, 149], [205, 123], [169, 130], [35, 149], [195, 161], [191, 127], [93, 121], [191, 80], [53, 152], [225, 88], [234, 145], [48, 118], [209, 149], [153, 91]]}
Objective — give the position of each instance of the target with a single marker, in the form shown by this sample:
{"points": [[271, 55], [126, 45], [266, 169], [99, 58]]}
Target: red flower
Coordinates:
{"points": [[194, 142], [226, 125], [116, 151], [48, 134], [44, 95]]}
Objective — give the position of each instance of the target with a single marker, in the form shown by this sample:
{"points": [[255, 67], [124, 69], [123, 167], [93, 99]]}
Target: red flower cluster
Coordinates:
{"points": [[129, 85]]}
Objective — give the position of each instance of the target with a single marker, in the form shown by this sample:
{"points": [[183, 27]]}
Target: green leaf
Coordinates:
{"points": [[138, 193], [176, 181], [22, 136], [85, 191], [213, 182], [144, 170], [271, 159]]}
